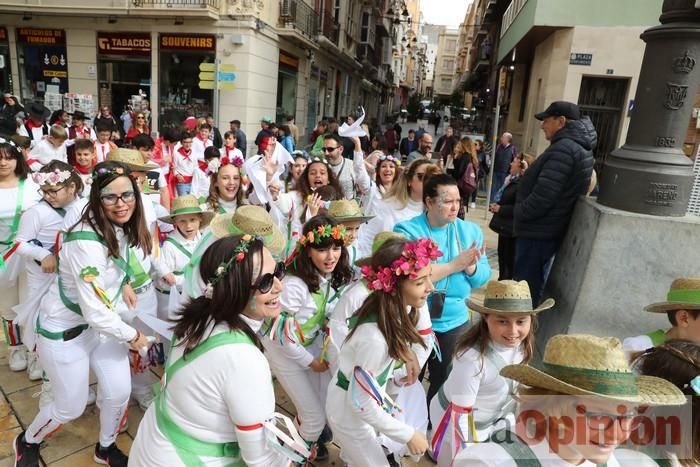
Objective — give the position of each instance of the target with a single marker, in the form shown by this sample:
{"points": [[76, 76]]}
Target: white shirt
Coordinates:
{"points": [[231, 153], [198, 147], [102, 149], [171, 259], [387, 214], [185, 165], [8, 207], [225, 396], [351, 173], [37, 133], [44, 152]]}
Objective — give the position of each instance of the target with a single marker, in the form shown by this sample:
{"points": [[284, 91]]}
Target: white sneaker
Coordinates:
{"points": [[92, 395], [33, 367], [18, 358], [472, 206], [143, 399]]}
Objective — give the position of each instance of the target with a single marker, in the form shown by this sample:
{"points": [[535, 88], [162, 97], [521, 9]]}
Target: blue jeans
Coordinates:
{"points": [[533, 261], [183, 188], [499, 178]]}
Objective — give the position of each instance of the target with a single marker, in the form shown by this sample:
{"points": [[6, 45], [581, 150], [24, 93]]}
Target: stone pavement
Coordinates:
{"points": [[73, 444]]}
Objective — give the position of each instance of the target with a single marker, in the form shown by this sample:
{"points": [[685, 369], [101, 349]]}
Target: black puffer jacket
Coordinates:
{"points": [[502, 221], [550, 187]]}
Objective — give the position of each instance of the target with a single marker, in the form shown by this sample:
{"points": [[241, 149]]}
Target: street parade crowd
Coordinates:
{"points": [[345, 273]]}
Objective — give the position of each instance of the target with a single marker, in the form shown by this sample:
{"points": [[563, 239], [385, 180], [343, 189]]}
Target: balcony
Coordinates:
{"points": [[133, 8], [368, 56], [329, 28], [299, 23]]}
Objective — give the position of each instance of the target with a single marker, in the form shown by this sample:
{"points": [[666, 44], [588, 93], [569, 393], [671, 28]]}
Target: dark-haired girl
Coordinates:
{"points": [[382, 333], [17, 194], [220, 409], [296, 342], [60, 186], [78, 328]]}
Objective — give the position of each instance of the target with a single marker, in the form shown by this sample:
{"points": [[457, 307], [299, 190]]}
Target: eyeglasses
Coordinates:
{"points": [[264, 283], [330, 149], [126, 197], [50, 193], [140, 118], [601, 421]]}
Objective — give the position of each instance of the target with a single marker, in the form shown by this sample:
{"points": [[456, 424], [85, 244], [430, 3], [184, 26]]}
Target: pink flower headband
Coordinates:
{"points": [[51, 178], [216, 163], [415, 256]]}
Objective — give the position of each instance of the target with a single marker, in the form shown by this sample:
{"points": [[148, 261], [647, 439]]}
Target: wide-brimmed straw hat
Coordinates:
{"points": [[505, 297], [345, 210], [379, 240], [253, 220], [579, 364], [188, 204], [132, 159], [683, 295]]}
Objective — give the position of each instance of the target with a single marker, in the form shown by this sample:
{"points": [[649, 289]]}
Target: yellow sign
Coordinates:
{"points": [[55, 74], [206, 75], [206, 85], [226, 86], [227, 68], [207, 67]]}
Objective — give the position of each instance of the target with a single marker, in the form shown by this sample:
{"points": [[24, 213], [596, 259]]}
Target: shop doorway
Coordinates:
{"points": [[123, 77]]}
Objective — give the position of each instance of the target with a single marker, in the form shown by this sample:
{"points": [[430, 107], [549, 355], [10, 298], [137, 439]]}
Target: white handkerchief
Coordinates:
{"points": [[355, 129], [256, 172]]}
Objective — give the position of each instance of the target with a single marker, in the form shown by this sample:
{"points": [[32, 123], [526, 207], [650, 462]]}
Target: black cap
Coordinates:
{"points": [[560, 109], [79, 115]]}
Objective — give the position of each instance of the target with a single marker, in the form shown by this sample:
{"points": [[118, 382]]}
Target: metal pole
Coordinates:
{"points": [[217, 93], [494, 138]]}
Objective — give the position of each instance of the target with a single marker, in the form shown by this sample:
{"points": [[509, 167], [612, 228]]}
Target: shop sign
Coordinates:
{"points": [[194, 42], [31, 36], [3, 34], [289, 60], [124, 43]]}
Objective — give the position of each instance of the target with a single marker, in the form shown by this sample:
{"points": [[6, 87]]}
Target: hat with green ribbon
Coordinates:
{"points": [[252, 220], [683, 295], [188, 204], [584, 365], [379, 240], [508, 297], [344, 210]]}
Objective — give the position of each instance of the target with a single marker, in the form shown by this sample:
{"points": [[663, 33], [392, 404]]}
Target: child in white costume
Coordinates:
{"points": [[77, 326], [18, 192], [219, 410], [225, 193], [295, 342], [475, 399], [51, 148], [61, 186], [382, 333]]}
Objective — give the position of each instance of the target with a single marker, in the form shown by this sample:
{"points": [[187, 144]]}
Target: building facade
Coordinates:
{"points": [[446, 61]]}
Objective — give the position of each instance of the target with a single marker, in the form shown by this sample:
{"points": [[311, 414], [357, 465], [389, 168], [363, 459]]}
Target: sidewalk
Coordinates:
{"points": [[73, 444]]}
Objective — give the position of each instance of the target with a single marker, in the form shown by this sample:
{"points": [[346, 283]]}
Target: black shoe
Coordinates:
{"points": [[321, 452], [111, 456], [326, 435], [26, 454], [392, 460]]}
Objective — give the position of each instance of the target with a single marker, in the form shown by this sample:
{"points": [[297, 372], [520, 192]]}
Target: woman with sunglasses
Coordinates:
{"points": [[140, 127], [296, 342], [403, 201], [220, 409], [79, 326], [18, 192]]}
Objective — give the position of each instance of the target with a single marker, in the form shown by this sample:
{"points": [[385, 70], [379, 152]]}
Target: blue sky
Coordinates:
{"points": [[444, 12]]}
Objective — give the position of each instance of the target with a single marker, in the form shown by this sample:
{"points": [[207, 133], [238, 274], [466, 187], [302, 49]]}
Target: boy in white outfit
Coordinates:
{"points": [[51, 148]]}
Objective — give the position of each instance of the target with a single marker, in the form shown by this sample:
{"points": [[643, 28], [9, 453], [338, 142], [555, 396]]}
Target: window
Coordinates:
{"points": [[451, 45], [364, 31], [446, 84], [448, 65]]}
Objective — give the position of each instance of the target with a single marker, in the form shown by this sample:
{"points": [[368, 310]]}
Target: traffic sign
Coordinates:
{"points": [[207, 67]]}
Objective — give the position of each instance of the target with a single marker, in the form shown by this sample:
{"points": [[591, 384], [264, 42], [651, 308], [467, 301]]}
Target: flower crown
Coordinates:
{"points": [[239, 254], [54, 178], [415, 256], [216, 163], [315, 237], [390, 158], [323, 160], [104, 171]]}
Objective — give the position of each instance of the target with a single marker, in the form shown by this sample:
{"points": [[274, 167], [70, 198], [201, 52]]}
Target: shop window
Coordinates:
{"points": [[43, 61], [5, 72], [287, 81]]}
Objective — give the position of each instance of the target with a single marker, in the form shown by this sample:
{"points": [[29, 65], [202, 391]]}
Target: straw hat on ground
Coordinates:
{"points": [[579, 364], [684, 295], [345, 210], [378, 241], [187, 204], [505, 297], [132, 159], [253, 220]]}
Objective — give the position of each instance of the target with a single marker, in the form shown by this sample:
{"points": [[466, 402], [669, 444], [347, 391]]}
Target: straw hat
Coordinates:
{"points": [[253, 220], [132, 159], [579, 364], [379, 240], [684, 295], [188, 204], [505, 297], [347, 211]]}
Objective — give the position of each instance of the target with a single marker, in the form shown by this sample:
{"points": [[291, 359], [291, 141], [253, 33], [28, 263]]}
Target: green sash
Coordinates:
{"points": [[10, 240], [522, 454]]}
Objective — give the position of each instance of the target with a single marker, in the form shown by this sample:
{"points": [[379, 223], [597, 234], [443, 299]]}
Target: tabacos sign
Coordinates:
{"points": [[124, 43]]}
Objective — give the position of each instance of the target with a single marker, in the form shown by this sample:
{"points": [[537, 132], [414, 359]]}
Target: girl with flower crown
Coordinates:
{"points": [[60, 186], [296, 342], [18, 192], [225, 192], [382, 333], [77, 326]]}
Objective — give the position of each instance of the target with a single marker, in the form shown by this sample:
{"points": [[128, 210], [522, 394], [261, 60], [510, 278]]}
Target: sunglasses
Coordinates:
{"points": [[265, 282], [329, 149]]}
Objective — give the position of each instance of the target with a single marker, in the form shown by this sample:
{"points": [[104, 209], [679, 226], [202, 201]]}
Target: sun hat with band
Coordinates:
{"points": [[505, 297], [683, 295], [131, 158], [187, 204], [584, 365], [344, 210], [380, 239]]}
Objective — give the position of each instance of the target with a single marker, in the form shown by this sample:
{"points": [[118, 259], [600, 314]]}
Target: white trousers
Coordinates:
{"points": [[146, 303], [68, 365], [360, 447]]}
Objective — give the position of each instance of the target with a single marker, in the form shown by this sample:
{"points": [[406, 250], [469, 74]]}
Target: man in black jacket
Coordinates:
{"points": [[548, 192]]}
